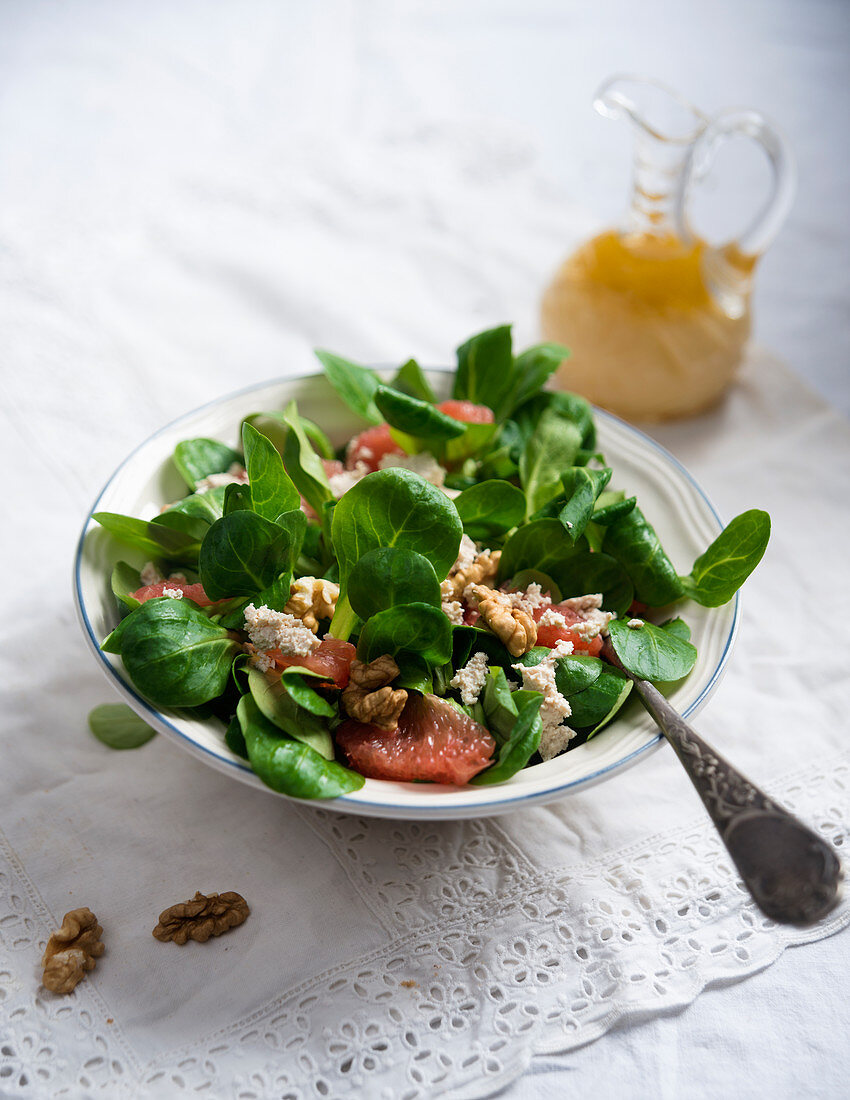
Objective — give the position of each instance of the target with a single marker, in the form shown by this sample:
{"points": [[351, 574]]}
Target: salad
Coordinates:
{"points": [[432, 601]]}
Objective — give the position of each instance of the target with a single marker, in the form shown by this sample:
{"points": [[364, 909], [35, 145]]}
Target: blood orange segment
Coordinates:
{"points": [[467, 411], [370, 447], [193, 592], [332, 659], [434, 741], [550, 635]]}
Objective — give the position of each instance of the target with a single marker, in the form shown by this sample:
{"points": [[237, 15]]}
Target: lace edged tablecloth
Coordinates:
{"points": [[484, 960]]}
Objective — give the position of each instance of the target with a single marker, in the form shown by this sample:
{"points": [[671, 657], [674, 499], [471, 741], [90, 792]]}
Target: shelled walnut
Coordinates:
{"points": [[202, 917], [471, 567], [368, 696], [72, 950], [311, 599], [513, 626]]}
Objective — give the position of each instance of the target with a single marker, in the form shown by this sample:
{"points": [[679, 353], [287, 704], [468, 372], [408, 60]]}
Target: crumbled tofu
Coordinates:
{"points": [[594, 619], [236, 475], [340, 483], [466, 554], [178, 578], [262, 661], [634, 624], [582, 604], [150, 574], [173, 593], [554, 739], [470, 679], [364, 454], [270, 629], [531, 599], [452, 494], [423, 464], [453, 610], [594, 623], [551, 617], [555, 708]]}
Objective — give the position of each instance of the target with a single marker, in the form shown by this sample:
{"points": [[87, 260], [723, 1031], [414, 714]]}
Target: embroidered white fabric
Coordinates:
{"points": [[178, 253], [487, 959]]}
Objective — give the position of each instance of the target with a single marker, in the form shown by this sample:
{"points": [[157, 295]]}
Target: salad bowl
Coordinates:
{"points": [[678, 508]]}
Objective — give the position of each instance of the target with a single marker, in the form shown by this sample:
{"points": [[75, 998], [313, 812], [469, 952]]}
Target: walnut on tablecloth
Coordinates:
{"points": [[368, 696], [201, 917], [72, 950]]}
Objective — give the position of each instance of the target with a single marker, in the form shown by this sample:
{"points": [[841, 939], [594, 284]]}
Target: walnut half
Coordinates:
{"points": [[513, 626], [368, 696], [471, 567], [202, 917], [311, 599], [72, 950]]}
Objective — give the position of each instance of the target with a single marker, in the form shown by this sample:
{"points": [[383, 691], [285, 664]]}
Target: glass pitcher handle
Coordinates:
{"points": [[767, 223]]}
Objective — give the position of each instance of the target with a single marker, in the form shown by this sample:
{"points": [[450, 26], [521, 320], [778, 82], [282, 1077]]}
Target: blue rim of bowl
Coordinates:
{"points": [[556, 789]]}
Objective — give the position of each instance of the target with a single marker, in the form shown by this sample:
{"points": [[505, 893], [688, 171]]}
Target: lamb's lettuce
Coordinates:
{"points": [[417, 630], [173, 653], [118, 727], [540, 544], [719, 572], [242, 554], [354, 384], [303, 464], [632, 540], [651, 652], [388, 576], [489, 509], [272, 489], [290, 767], [582, 488], [416, 418], [584, 572], [411, 380], [499, 705], [535, 366], [551, 449], [125, 580], [283, 710], [197, 459], [485, 370], [594, 706], [237, 498], [520, 744], [393, 508], [156, 540], [196, 512]]}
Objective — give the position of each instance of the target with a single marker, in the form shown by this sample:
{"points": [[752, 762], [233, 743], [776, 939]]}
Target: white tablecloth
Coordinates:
{"points": [[189, 201]]}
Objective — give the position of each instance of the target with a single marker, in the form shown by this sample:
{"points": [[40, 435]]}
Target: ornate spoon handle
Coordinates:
{"points": [[793, 875]]}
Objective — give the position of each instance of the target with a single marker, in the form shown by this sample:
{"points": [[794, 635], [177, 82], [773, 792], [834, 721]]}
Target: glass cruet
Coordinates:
{"points": [[657, 318]]}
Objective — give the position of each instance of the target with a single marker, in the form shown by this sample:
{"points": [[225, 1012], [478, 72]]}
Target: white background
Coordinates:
{"points": [[119, 122]]}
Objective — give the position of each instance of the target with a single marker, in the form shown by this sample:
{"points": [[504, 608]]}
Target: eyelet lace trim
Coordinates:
{"points": [[495, 960]]}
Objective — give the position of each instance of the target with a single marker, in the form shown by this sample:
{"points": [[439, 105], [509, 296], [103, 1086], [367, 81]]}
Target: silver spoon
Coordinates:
{"points": [[793, 875]]}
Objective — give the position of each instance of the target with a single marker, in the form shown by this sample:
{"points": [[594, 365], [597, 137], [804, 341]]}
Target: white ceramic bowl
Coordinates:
{"points": [[671, 499]]}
